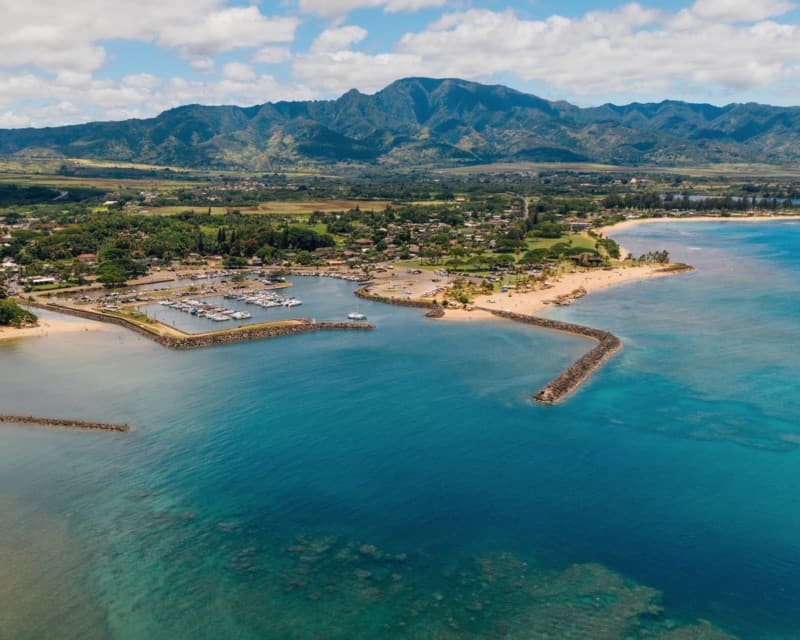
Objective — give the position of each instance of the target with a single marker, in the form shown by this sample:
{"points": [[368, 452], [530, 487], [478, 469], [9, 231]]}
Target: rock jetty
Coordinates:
{"points": [[557, 389], [560, 387], [64, 423]]}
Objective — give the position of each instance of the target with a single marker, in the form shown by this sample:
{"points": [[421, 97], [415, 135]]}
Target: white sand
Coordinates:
{"points": [[52, 325], [533, 302]]}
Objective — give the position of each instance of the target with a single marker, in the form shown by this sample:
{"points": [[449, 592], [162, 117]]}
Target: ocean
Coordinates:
{"points": [[400, 483]]}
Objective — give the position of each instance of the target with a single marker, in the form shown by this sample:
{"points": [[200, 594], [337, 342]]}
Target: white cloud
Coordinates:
{"points": [[741, 10], [32, 100], [338, 39], [226, 30], [630, 50], [337, 8], [339, 71], [66, 34], [50, 52], [272, 55], [238, 72]]}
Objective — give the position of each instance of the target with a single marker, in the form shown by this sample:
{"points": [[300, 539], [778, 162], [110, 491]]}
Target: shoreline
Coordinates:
{"points": [[633, 222], [49, 326], [566, 287]]}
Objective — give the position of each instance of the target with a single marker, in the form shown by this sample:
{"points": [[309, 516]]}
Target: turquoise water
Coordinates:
{"points": [[400, 484]]}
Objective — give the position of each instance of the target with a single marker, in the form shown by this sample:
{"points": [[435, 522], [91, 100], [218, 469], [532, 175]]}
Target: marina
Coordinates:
{"points": [[231, 306], [250, 302]]}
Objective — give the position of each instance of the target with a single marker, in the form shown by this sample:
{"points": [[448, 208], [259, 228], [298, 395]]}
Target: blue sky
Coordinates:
{"points": [[67, 61]]}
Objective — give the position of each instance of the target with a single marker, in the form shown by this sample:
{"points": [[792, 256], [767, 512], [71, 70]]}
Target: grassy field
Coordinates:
{"points": [[574, 240], [67, 182], [282, 208]]}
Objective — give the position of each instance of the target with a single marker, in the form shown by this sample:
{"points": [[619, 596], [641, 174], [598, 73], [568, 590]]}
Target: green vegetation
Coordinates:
{"points": [[508, 226], [12, 315]]}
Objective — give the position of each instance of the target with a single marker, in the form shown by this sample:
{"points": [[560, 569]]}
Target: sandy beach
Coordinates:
{"points": [[627, 224], [50, 326], [533, 302]]}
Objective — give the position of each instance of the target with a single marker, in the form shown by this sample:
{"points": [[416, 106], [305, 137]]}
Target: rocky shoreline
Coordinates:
{"points": [[64, 423], [364, 292], [228, 336], [435, 310]]}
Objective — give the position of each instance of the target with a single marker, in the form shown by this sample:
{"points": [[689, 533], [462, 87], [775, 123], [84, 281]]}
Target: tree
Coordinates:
{"points": [[111, 275], [535, 256], [3, 290], [11, 314]]}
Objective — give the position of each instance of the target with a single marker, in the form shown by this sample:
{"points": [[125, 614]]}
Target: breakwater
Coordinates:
{"points": [[561, 386], [64, 423], [194, 341], [246, 334]]}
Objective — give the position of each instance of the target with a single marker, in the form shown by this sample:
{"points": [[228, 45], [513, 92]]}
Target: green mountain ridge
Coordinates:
{"points": [[423, 120]]}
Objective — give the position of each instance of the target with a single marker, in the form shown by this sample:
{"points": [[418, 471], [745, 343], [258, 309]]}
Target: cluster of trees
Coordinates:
{"points": [[123, 242], [12, 315], [656, 257], [651, 200], [162, 237], [558, 251], [610, 246], [116, 266], [648, 201], [13, 195]]}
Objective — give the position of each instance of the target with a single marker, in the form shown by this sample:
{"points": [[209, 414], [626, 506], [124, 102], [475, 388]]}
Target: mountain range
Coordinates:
{"points": [[424, 121]]}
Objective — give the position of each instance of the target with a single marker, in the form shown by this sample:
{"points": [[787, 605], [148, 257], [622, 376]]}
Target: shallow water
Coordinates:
{"points": [[399, 483]]}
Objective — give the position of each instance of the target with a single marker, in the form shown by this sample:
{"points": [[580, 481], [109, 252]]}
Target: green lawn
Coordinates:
{"points": [[573, 239]]}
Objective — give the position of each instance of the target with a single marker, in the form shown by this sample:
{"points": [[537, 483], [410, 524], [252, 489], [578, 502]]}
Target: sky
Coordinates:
{"points": [[72, 61]]}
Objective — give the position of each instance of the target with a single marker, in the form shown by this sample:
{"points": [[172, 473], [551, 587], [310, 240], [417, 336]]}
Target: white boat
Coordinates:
{"points": [[292, 302], [355, 315]]}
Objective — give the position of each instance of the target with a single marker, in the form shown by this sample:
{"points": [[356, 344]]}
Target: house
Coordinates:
{"points": [[88, 258], [588, 259], [578, 225]]}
